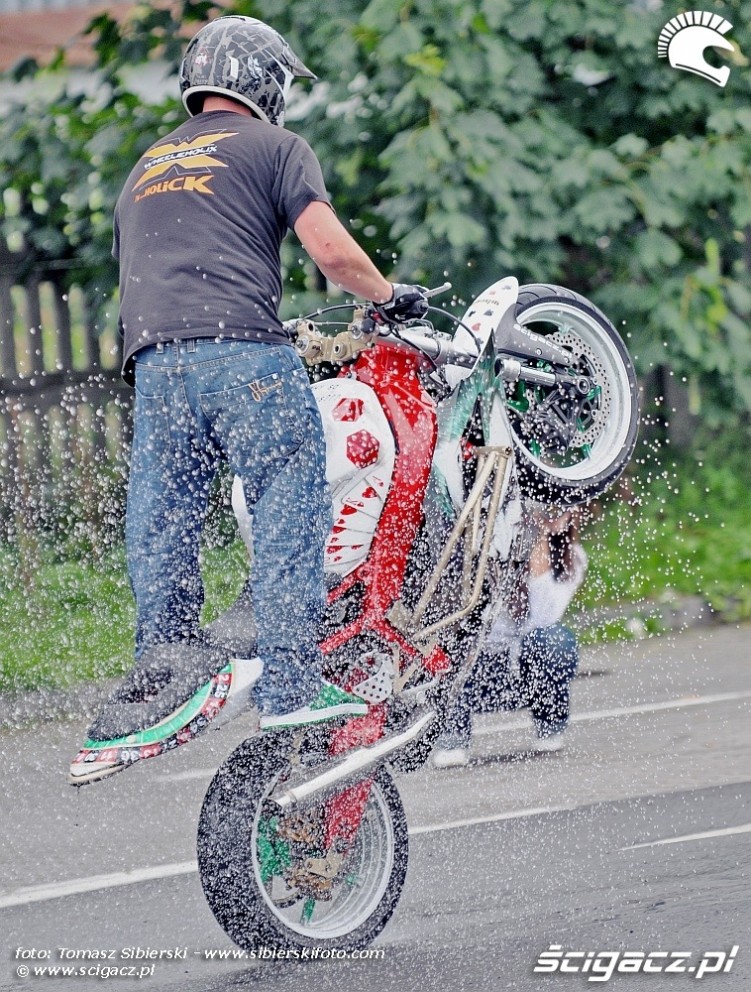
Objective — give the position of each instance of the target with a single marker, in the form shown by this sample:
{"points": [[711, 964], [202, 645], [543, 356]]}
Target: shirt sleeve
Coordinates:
{"points": [[549, 597], [299, 180], [116, 237]]}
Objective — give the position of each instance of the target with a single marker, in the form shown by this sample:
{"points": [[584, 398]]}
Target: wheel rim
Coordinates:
{"points": [[603, 430], [355, 895]]}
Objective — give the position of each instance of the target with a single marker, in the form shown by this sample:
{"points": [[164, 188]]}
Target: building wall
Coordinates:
{"points": [[37, 28], [11, 6]]}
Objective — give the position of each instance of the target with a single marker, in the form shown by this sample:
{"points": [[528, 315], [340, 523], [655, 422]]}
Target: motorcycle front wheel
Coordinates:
{"points": [[569, 452], [275, 879]]}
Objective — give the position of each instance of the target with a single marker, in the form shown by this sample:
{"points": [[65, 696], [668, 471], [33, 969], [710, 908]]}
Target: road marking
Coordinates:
{"points": [[668, 704], [41, 893], [523, 724], [726, 832], [187, 776], [77, 886], [517, 814]]}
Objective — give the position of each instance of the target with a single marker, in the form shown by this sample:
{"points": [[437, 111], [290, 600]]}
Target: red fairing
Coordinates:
{"points": [[392, 374], [391, 371]]}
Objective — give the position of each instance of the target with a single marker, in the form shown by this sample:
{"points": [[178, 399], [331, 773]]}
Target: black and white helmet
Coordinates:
{"points": [[243, 58]]}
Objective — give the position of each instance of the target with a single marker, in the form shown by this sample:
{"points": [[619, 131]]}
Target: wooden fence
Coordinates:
{"points": [[65, 412], [64, 417]]}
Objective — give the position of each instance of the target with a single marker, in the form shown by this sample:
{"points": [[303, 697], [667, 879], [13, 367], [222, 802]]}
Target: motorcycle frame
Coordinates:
{"points": [[396, 375]]}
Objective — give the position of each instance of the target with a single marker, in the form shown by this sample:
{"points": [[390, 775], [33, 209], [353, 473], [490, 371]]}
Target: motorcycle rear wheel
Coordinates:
{"points": [[607, 423], [248, 865]]}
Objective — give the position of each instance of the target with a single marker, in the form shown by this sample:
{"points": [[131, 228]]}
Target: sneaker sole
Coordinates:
{"points": [[94, 772], [541, 748], [450, 760], [182, 726], [272, 722]]}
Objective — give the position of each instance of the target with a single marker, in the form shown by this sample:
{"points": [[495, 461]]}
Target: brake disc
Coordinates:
{"points": [[598, 409]]}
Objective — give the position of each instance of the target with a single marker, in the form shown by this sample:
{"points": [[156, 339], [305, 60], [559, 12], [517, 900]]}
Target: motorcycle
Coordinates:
{"points": [[438, 448]]}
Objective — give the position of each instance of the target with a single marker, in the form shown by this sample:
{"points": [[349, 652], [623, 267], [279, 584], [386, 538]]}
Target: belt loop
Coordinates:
{"points": [[160, 347], [191, 345]]}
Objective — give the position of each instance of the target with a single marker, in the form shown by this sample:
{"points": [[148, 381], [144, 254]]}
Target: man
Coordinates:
{"points": [[529, 659], [198, 228]]}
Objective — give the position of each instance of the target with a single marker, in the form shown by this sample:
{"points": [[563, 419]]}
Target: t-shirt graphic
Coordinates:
{"points": [[192, 160], [198, 229]]}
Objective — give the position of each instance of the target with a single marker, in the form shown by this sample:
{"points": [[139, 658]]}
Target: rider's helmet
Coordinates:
{"points": [[243, 58]]}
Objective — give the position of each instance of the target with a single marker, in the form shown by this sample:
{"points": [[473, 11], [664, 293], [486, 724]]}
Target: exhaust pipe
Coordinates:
{"points": [[352, 765]]}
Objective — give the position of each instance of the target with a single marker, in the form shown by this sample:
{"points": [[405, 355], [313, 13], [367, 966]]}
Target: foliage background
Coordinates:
{"points": [[459, 138], [469, 137]]}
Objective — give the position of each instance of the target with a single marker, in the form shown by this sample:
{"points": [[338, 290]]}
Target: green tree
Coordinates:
{"points": [[473, 138]]}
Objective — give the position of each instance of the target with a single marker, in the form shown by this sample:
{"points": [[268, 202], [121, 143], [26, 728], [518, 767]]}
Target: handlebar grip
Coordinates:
{"points": [[439, 289]]}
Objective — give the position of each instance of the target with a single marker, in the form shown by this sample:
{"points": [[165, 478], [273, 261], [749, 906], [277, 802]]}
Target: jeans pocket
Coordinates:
{"points": [[152, 383], [260, 424]]}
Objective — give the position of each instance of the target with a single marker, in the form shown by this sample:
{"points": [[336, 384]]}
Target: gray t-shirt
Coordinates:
{"points": [[198, 227]]}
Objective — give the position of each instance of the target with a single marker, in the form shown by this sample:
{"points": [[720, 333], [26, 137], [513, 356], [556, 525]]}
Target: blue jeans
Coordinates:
{"points": [[548, 658], [197, 403]]}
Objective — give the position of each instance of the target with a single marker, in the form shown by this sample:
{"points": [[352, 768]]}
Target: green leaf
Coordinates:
{"points": [[428, 61], [655, 249]]}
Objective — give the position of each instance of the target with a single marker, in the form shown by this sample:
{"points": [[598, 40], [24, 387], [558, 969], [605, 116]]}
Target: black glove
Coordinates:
{"points": [[406, 303]]}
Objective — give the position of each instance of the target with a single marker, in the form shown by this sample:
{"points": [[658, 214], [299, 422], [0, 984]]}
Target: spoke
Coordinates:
{"points": [[307, 910], [273, 853]]}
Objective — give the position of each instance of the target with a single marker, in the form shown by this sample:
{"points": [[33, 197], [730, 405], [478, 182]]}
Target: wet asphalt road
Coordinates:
{"points": [[509, 856]]}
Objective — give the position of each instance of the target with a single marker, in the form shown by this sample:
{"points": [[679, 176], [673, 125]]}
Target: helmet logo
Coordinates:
{"points": [[255, 69], [202, 58], [234, 67]]}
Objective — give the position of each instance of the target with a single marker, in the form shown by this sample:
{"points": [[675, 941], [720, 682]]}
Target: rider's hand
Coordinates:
{"points": [[406, 303]]}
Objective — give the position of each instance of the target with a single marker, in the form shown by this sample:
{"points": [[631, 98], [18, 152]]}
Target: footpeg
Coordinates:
{"points": [[380, 685]]}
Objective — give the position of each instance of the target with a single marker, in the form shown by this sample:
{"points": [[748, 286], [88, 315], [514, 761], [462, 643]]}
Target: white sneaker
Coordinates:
{"points": [[450, 757], [553, 742]]}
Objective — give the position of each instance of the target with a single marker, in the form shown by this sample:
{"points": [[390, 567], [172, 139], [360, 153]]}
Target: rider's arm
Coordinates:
{"points": [[338, 255]]}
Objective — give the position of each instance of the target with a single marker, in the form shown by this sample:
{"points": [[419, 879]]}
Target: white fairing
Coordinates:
{"points": [[482, 317], [359, 465]]}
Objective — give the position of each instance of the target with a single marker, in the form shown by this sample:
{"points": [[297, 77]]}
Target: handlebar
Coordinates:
{"points": [[439, 289], [366, 327], [364, 331]]}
